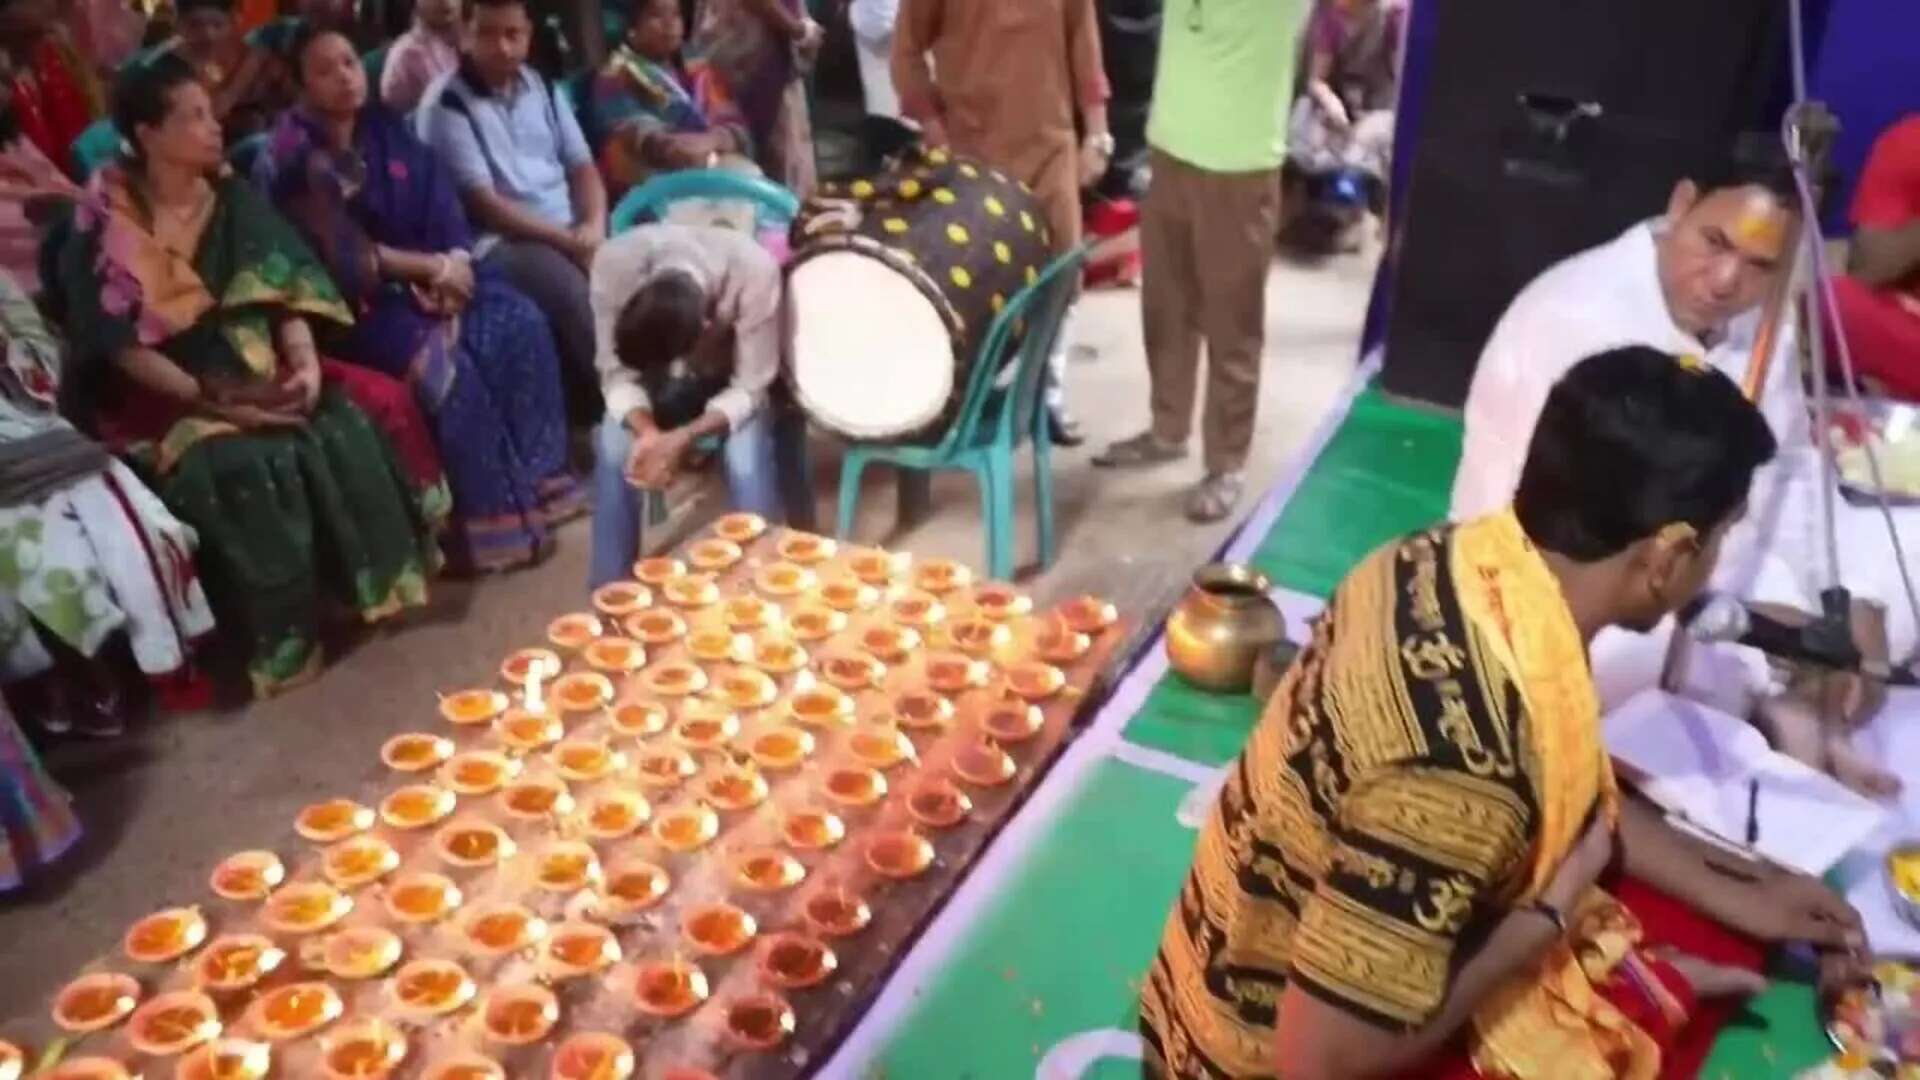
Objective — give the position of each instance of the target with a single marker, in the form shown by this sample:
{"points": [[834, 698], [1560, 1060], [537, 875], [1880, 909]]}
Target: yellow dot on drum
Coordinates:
{"points": [[996, 207], [944, 196], [957, 233], [895, 225], [961, 277], [1033, 275], [862, 189], [939, 157], [969, 172], [909, 189], [998, 302], [1002, 252], [1026, 221]]}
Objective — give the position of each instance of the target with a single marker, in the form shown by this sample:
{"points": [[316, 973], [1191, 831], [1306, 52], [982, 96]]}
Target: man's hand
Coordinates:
{"points": [[583, 240], [1784, 907], [1590, 857], [656, 457]]}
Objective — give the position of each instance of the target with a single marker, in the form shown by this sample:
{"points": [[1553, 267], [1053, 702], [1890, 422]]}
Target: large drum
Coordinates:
{"points": [[893, 284]]}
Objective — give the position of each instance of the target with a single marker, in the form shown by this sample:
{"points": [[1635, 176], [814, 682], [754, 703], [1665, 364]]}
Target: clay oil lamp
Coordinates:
{"points": [[465, 708], [422, 898], [938, 804], [920, 710], [466, 1067], [526, 730], [362, 860], [978, 636], [247, 876], [536, 800], [736, 787], [740, 527], [779, 656], [940, 576], [880, 746], [295, 1009], [522, 666], [812, 829], [805, 548], [1088, 614], [837, 913], [953, 673], [852, 672], [656, 626], [848, 595], [165, 935], [621, 599], [669, 988], [719, 646], [814, 623], [1013, 721], [478, 772], [335, 819], [236, 962], [570, 633], [1034, 680], [415, 751], [759, 1021], [718, 929], [890, 643], [673, 679], [795, 961], [767, 870], [692, 591], [686, 828], [748, 688], [633, 886], [665, 767], [918, 609], [416, 806], [367, 1049], [586, 760], [899, 853], [781, 748], [305, 907], [567, 866], [639, 719], [614, 655], [714, 554], [582, 691], [89, 1068], [1060, 643], [821, 707], [982, 763], [659, 570], [361, 952], [428, 988], [999, 602], [855, 786], [580, 948], [501, 929], [592, 1055], [613, 815], [783, 579], [95, 1002], [227, 1059], [519, 1015], [173, 1023], [13, 1061], [471, 845], [749, 612], [878, 568]]}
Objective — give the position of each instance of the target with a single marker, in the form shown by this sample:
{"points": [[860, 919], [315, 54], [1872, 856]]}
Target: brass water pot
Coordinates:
{"points": [[1222, 626]]}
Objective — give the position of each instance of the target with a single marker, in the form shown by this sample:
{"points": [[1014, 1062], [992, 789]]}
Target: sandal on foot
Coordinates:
{"points": [[1215, 497], [1142, 450]]}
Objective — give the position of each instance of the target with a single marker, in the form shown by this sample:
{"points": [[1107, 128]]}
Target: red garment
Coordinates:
{"points": [[389, 403], [51, 102], [1882, 325]]}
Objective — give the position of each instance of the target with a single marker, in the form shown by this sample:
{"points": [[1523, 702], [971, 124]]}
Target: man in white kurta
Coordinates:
{"points": [[1691, 281]]}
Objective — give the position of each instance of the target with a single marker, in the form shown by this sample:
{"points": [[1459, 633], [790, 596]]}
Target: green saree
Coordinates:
{"points": [[290, 521]]}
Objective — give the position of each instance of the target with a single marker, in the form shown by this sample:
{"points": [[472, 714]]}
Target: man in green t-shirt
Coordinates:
{"points": [[1217, 134]]}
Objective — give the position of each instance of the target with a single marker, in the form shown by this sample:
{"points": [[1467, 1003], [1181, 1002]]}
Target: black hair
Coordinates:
{"points": [[182, 7], [302, 38], [472, 7], [660, 322], [143, 94], [1754, 159], [1632, 440]]}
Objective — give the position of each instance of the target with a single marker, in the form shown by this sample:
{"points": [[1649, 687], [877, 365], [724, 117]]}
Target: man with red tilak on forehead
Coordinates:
{"points": [[1694, 281]]}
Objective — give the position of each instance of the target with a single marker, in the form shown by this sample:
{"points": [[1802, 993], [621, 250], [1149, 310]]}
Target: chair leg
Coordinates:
{"points": [[999, 492], [851, 468], [1043, 495]]}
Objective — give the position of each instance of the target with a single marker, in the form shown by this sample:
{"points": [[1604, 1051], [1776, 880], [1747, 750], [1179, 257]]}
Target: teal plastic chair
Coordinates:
{"points": [[374, 63], [778, 206], [993, 421], [94, 147]]}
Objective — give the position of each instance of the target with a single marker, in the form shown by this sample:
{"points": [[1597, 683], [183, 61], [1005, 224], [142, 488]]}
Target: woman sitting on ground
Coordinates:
{"points": [[643, 114], [383, 214], [190, 310]]}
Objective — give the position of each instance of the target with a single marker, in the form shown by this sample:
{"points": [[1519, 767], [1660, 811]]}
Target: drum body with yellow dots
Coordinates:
{"points": [[893, 284]]}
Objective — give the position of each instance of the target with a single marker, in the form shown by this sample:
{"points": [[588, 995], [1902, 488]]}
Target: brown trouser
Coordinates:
{"points": [[1206, 239]]}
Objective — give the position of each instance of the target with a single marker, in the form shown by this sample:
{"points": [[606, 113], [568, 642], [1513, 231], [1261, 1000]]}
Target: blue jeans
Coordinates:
{"points": [[766, 463]]}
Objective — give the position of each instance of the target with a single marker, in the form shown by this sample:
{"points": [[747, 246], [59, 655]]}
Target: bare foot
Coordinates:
{"points": [[1857, 771], [1711, 980]]}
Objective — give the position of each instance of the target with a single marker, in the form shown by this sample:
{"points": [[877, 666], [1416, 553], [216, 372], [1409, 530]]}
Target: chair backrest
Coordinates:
{"points": [[1024, 333], [374, 63], [94, 147], [777, 205]]}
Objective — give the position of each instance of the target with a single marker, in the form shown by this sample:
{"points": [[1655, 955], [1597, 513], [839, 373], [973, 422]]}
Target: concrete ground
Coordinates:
{"points": [[163, 805]]}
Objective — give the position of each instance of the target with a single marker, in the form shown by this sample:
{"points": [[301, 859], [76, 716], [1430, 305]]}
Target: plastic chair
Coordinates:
{"points": [[648, 201], [94, 147], [374, 63], [994, 420]]}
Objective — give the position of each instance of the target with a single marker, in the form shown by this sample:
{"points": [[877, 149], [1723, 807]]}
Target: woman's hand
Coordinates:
{"points": [[1590, 857], [1785, 906], [249, 417], [456, 276]]}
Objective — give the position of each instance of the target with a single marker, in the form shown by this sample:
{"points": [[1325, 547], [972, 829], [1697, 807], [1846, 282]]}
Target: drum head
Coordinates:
{"points": [[872, 358]]}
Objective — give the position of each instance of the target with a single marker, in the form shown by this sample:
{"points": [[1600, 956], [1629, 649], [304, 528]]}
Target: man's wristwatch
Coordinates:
{"points": [[1100, 142], [1550, 913]]}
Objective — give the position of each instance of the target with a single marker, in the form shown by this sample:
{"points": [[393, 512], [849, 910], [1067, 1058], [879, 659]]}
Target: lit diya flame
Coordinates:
{"points": [[467, 707], [821, 706], [615, 814], [815, 624], [640, 718], [582, 691], [1088, 614], [473, 844], [592, 1055], [519, 1015], [779, 656], [428, 988], [881, 746], [306, 907], [621, 599], [783, 579], [95, 1002], [674, 679], [361, 952], [570, 633], [740, 527], [466, 1067], [978, 636], [846, 595], [634, 886], [876, 567], [921, 711], [478, 772], [746, 688], [837, 913], [666, 768], [523, 730], [415, 752], [1014, 721], [165, 935], [899, 853], [938, 804], [499, 929], [586, 759], [692, 591], [13, 1061], [890, 643], [247, 875], [736, 788], [749, 612], [614, 655], [669, 988], [173, 1023], [852, 786], [767, 870], [335, 819], [226, 1059], [982, 763], [90, 1068], [360, 861], [714, 554], [719, 646], [422, 898], [659, 570], [795, 961], [813, 830], [686, 828], [942, 575], [1034, 680], [657, 626], [536, 800], [719, 929], [567, 866], [363, 1050], [521, 667], [782, 748], [295, 1010], [237, 962], [852, 672], [918, 609], [1059, 643], [805, 548], [1000, 602], [580, 948], [759, 1021], [952, 673]]}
